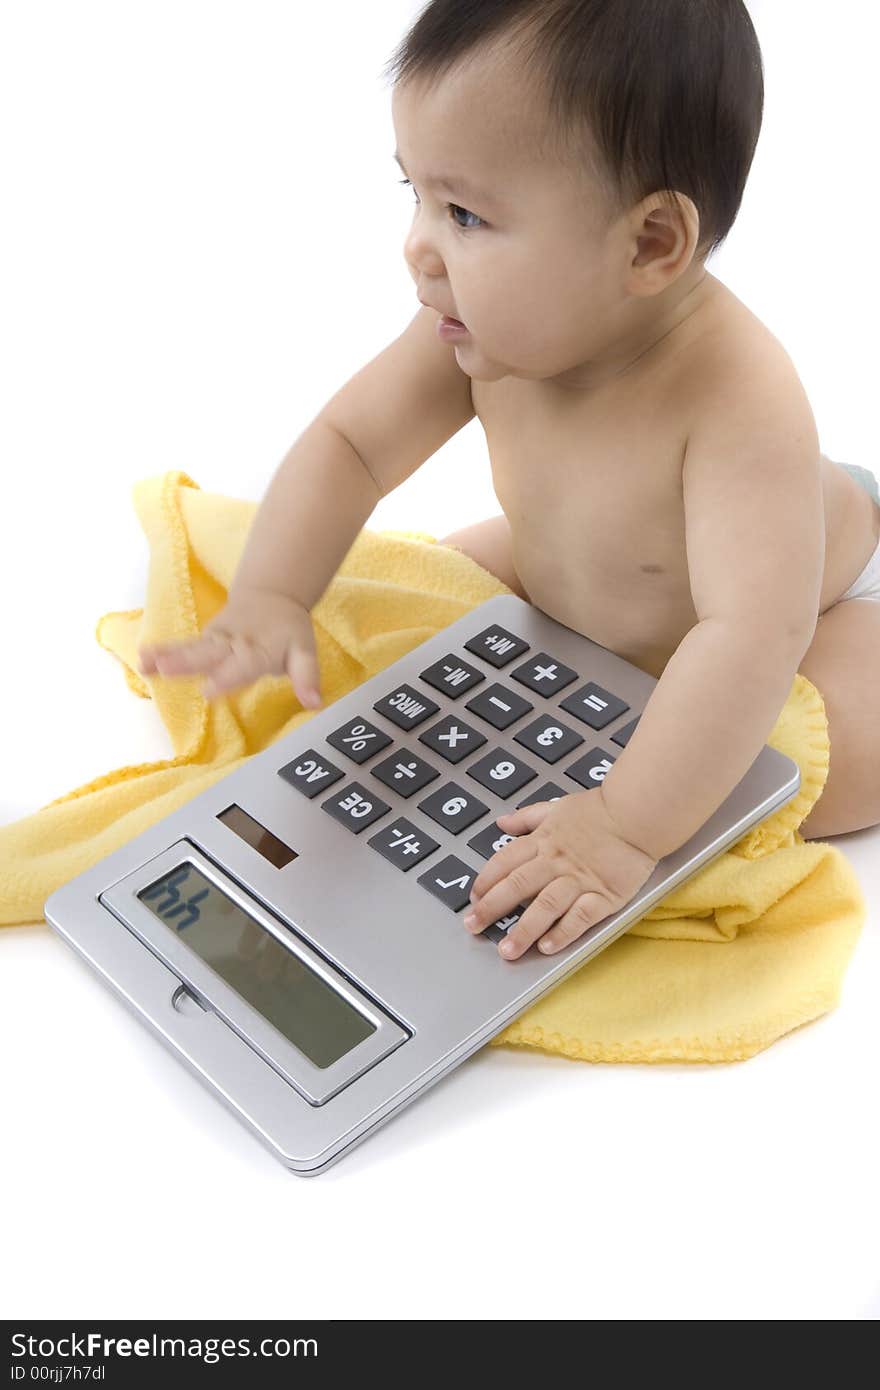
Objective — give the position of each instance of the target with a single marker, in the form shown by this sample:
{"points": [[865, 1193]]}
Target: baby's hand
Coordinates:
{"points": [[573, 864], [258, 633]]}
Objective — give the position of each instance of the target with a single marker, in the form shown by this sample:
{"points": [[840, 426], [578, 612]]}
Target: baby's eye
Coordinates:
{"points": [[453, 208]]}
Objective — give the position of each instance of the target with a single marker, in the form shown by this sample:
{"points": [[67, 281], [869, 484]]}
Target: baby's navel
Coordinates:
{"points": [[652, 569]]}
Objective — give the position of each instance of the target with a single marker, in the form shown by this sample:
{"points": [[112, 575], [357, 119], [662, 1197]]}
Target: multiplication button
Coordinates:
{"points": [[452, 738], [403, 843]]}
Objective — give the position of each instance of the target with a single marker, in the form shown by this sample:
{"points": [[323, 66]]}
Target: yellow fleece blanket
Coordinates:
{"points": [[753, 946]]}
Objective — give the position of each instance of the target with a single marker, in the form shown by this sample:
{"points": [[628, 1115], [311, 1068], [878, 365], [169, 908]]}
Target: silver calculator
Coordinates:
{"points": [[293, 933]]}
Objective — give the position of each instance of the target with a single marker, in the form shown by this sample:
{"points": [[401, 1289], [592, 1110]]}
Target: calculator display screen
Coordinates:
{"points": [[293, 997]]}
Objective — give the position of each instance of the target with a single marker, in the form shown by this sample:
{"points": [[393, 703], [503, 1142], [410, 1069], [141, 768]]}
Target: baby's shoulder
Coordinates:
{"points": [[738, 364]]}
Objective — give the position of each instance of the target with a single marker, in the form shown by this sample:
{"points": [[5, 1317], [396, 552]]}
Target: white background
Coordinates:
{"points": [[201, 241]]}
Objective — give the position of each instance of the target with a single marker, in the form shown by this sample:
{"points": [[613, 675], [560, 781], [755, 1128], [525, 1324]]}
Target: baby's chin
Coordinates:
{"points": [[477, 365]]}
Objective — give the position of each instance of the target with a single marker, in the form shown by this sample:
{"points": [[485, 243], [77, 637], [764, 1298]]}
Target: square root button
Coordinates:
{"points": [[451, 881]]}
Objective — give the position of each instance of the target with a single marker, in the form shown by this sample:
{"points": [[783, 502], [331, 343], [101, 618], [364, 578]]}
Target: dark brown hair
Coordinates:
{"points": [[667, 95]]}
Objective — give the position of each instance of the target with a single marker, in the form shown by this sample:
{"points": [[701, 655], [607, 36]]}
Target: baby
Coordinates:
{"points": [[574, 162]]}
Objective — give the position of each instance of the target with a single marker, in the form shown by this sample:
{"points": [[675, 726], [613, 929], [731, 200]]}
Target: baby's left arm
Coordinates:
{"points": [[755, 530]]}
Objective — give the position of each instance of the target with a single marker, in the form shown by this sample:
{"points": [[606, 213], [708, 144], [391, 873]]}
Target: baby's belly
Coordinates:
{"points": [[627, 587], [639, 609]]}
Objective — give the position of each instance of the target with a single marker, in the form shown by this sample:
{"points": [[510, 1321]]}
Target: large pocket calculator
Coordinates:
{"points": [[293, 932]]}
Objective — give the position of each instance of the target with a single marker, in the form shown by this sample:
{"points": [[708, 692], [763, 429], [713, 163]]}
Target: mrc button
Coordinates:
{"points": [[406, 707]]}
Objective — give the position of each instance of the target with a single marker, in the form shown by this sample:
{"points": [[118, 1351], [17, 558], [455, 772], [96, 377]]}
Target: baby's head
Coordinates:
{"points": [[595, 152]]}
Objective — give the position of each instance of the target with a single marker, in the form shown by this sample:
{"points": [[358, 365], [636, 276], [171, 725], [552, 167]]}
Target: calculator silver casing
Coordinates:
{"points": [[434, 992]]}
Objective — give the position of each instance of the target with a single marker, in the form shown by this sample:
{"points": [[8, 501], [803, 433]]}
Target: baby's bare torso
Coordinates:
{"points": [[591, 485]]}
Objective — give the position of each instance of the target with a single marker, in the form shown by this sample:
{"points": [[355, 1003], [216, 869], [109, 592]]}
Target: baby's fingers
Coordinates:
{"points": [[241, 663], [184, 658]]}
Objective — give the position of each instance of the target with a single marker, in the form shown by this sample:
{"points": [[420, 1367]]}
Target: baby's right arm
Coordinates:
{"points": [[377, 430]]}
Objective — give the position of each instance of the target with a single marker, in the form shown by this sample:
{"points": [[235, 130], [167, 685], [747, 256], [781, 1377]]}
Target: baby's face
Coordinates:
{"points": [[514, 243]]}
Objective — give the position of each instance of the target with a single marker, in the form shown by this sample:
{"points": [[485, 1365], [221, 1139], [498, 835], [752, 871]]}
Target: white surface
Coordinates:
{"points": [[205, 243]]}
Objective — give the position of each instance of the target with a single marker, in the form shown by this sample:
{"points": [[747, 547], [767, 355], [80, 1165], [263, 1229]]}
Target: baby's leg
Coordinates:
{"points": [[488, 542]]}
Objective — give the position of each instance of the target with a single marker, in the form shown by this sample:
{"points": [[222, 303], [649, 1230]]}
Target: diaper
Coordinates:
{"points": [[868, 583]]}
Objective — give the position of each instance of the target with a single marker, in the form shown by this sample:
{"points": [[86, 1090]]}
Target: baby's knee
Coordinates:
{"points": [[488, 543]]}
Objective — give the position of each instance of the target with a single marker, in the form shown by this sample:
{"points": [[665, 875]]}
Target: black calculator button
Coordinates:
{"points": [[403, 843], [548, 792], [593, 705], [358, 739], [590, 770], [453, 807], [310, 773], [406, 707], [624, 734], [496, 645], [451, 881], [544, 674], [405, 772], [499, 706], [498, 930], [501, 772], [355, 806], [452, 676], [453, 739], [549, 738], [489, 839]]}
